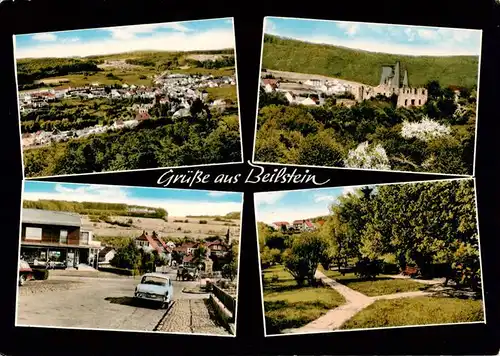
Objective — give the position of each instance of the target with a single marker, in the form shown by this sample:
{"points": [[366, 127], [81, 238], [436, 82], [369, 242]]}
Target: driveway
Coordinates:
{"points": [[107, 303]]}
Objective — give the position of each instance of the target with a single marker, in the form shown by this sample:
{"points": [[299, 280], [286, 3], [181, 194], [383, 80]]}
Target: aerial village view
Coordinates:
{"points": [[368, 96], [145, 96], [128, 259], [379, 256]]}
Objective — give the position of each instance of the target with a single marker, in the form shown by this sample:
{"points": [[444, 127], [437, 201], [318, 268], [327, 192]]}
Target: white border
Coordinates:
{"points": [[363, 169], [124, 330], [379, 328], [130, 170]]}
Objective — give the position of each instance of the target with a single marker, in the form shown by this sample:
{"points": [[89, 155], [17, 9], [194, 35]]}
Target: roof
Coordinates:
{"points": [[187, 258], [50, 217], [269, 81], [281, 223], [157, 275], [321, 222], [309, 223], [298, 221], [105, 251]]}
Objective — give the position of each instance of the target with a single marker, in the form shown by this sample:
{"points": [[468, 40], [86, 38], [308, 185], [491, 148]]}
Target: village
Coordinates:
{"points": [[179, 91], [297, 226], [312, 90]]}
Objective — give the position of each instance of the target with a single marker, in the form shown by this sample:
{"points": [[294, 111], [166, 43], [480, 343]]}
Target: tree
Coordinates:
{"points": [[301, 259], [127, 257]]}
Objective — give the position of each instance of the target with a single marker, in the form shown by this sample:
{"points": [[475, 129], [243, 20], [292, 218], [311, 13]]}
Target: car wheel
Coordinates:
{"points": [[22, 280]]}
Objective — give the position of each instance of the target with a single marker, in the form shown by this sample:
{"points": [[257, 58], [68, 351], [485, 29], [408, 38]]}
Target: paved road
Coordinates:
{"points": [[107, 303]]}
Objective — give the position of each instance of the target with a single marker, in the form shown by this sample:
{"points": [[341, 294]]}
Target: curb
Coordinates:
{"points": [[162, 320], [187, 291]]}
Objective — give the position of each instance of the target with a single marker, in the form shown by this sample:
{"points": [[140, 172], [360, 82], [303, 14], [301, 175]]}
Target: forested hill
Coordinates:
{"points": [[93, 208], [363, 66]]}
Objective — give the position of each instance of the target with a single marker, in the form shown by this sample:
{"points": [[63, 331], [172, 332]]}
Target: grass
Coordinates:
{"points": [[365, 67], [379, 286], [290, 306], [224, 92], [203, 71], [130, 77], [417, 311]]}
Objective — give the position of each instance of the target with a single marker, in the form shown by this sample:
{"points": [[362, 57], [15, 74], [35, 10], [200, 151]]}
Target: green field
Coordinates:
{"points": [[417, 311], [365, 67], [225, 92], [379, 286], [290, 306], [140, 70]]}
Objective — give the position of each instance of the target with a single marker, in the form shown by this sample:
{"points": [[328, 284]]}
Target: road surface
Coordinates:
{"points": [[107, 303]]}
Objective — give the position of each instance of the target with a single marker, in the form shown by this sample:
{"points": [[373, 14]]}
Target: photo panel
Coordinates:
{"points": [[123, 258], [370, 257], [368, 96], [128, 98]]}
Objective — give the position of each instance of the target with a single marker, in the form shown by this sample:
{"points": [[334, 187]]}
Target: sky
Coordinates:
{"points": [[386, 38], [177, 202], [283, 206], [174, 36]]}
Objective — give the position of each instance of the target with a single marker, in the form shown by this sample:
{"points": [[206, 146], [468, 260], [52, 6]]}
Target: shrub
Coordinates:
{"points": [[203, 222], [389, 268], [40, 274], [368, 269]]}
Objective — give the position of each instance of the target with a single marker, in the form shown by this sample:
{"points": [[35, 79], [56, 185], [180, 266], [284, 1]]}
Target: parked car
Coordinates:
{"points": [[156, 287], [57, 265], [189, 273], [25, 272]]}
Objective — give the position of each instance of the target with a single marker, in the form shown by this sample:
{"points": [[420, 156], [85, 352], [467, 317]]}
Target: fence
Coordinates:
{"points": [[226, 299]]}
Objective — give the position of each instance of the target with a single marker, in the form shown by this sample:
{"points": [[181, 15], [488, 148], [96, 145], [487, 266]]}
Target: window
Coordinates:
{"points": [[84, 238], [406, 102], [412, 102], [33, 233], [419, 102], [63, 236]]}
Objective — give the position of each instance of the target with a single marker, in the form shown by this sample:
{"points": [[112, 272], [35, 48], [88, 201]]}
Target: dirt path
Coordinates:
{"points": [[355, 302]]}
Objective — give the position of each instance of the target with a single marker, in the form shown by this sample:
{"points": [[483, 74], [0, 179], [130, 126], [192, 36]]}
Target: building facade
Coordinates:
{"points": [[55, 238]]}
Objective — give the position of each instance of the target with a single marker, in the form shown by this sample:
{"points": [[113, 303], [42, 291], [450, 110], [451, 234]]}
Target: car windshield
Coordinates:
{"points": [[157, 281]]}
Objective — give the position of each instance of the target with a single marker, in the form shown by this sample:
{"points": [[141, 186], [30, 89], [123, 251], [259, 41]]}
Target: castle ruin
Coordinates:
{"points": [[391, 84]]}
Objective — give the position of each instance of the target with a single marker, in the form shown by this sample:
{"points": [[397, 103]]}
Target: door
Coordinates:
{"points": [[71, 259]]}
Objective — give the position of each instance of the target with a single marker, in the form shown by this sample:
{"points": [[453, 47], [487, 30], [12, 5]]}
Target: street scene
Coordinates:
{"points": [[106, 301], [113, 258]]}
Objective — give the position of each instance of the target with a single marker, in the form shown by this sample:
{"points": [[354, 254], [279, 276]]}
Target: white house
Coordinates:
{"points": [[309, 102], [106, 255]]}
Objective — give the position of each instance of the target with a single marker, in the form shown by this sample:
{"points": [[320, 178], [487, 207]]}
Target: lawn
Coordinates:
{"points": [[224, 92], [289, 306], [379, 286], [417, 311]]}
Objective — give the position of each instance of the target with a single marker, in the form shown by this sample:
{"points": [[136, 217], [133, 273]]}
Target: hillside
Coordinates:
{"points": [[97, 209], [365, 67], [147, 63]]}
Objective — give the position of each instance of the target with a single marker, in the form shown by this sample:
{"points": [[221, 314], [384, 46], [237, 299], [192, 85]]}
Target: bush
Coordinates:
{"points": [[40, 274], [389, 268], [368, 269], [203, 222]]}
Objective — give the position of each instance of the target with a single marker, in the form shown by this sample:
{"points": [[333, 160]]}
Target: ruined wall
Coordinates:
{"points": [[412, 97]]}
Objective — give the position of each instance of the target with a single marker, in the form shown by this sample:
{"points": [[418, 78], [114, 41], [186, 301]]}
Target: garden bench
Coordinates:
{"points": [[411, 271]]}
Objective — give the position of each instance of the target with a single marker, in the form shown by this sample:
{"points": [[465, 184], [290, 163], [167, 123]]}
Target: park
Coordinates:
{"points": [[386, 256]]}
